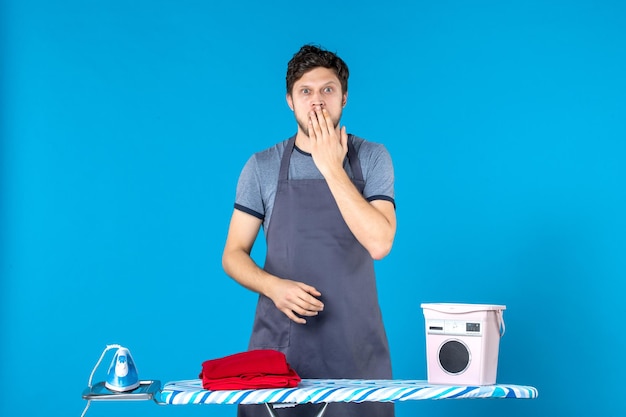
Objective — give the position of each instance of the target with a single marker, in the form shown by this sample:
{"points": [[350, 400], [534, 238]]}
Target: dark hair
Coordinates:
{"points": [[310, 57]]}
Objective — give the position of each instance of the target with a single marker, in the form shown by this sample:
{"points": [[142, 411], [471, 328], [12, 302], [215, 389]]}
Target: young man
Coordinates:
{"points": [[325, 200]]}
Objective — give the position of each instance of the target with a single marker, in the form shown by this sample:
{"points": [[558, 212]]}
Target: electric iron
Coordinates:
{"points": [[122, 375]]}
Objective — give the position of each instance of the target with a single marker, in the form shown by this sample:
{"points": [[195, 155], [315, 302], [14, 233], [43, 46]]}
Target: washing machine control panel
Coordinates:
{"points": [[454, 327]]}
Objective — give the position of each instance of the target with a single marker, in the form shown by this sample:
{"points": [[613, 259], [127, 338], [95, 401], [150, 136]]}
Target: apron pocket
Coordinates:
{"points": [[271, 328]]}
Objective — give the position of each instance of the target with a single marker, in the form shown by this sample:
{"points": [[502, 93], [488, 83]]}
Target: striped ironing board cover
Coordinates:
{"points": [[337, 390]]}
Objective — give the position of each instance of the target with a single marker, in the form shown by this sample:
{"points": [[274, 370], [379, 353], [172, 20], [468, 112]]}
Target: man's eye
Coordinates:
{"points": [[328, 90], [305, 91]]}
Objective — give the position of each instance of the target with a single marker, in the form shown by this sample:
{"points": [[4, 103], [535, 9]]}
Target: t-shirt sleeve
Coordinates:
{"points": [[248, 197], [379, 175]]}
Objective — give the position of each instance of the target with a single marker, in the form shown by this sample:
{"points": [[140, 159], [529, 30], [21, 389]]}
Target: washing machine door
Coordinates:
{"points": [[454, 357]]}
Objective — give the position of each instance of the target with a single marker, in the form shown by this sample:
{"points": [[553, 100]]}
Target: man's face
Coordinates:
{"points": [[318, 88]]}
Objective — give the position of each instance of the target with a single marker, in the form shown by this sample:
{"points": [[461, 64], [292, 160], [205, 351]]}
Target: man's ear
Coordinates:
{"points": [[345, 99], [289, 101]]}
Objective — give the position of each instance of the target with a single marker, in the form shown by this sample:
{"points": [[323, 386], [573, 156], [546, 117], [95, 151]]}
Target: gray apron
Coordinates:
{"points": [[308, 241]]}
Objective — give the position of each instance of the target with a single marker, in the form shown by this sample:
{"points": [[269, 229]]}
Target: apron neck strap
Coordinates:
{"points": [[353, 159]]}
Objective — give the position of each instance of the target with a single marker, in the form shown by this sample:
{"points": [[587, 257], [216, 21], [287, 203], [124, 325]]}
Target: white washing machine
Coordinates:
{"points": [[462, 342]]}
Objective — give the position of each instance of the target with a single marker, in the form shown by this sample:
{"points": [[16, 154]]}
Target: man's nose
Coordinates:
{"points": [[317, 100]]}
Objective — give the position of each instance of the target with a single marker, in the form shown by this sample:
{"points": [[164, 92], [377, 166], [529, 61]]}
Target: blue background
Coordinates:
{"points": [[125, 125]]}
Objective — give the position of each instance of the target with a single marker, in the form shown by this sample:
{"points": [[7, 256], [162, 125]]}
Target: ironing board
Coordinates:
{"points": [[319, 391]]}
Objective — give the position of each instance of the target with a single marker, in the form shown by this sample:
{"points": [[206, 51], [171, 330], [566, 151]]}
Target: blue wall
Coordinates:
{"points": [[125, 125]]}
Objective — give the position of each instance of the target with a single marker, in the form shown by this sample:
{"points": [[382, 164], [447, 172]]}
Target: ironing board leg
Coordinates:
{"points": [[321, 413], [271, 412]]}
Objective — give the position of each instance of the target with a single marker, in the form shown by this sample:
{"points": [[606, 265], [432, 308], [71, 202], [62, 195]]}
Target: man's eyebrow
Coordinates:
{"points": [[329, 82]]}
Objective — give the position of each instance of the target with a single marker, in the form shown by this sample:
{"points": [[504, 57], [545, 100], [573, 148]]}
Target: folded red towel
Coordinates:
{"points": [[262, 368], [252, 381]]}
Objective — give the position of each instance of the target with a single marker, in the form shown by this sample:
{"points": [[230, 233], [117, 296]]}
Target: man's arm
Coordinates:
{"points": [[290, 297], [373, 224]]}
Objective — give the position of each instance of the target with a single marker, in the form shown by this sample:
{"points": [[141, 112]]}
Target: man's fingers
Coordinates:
{"points": [[344, 137], [297, 300], [310, 297], [296, 312], [304, 311], [306, 305], [321, 120], [315, 130], [327, 121], [293, 317], [309, 289]]}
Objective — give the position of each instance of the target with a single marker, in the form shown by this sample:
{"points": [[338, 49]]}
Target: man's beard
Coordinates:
{"points": [[305, 126]]}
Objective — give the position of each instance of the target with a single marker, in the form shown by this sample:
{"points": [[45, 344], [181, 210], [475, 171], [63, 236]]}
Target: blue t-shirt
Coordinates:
{"points": [[258, 181]]}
